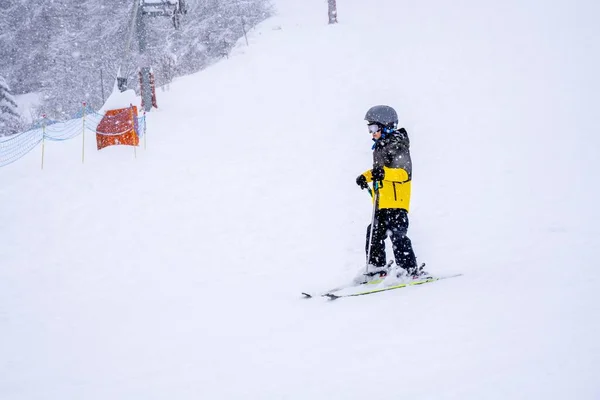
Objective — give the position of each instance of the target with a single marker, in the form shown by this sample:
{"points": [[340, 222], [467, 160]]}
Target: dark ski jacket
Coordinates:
{"points": [[392, 153]]}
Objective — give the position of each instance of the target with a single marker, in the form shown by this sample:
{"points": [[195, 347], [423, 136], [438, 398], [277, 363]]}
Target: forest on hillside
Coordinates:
{"points": [[70, 51]]}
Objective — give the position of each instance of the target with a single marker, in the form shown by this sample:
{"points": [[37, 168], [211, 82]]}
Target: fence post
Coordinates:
{"points": [[244, 29], [83, 135], [43, 137], [133, 124]]}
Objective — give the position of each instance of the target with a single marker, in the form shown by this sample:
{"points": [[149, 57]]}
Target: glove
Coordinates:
{"points": [[362, 182], [378, 174]]}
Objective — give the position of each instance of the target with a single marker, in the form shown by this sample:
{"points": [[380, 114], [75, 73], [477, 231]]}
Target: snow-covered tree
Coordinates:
{"points": [[61, 48], [10, 120]]}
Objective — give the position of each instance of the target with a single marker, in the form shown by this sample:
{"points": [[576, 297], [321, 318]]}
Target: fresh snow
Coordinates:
{"points": [[27, 105], [176, 272], [118, 100]]}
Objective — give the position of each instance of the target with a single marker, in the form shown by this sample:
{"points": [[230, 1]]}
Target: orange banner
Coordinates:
{"points": [[118, 127]]}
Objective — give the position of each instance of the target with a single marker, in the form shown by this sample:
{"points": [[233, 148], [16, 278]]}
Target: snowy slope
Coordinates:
{"points": [[176, 274]]}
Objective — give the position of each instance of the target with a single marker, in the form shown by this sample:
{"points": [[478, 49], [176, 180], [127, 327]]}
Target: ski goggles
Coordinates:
{"points": [[374, 128]]}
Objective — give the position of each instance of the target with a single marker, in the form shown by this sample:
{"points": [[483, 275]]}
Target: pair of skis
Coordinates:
{"points": [[353, 290], [378, 285]]}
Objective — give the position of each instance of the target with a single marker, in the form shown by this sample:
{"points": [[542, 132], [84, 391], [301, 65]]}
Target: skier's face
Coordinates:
{"points": [[375, 130]]}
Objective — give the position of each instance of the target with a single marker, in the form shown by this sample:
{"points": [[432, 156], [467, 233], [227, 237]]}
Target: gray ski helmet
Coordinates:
{"points": [[384, 115]]}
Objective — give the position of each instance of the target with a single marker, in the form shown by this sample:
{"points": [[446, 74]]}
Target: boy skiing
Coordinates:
{"points": [[391, 176]]}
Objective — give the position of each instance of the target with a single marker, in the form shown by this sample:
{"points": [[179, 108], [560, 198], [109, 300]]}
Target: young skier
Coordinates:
{"points": [[391, 176]]}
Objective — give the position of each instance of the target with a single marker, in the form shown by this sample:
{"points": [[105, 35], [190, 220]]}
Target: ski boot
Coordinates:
{"points": [[413, 273], [418, 272], [373, 274]]}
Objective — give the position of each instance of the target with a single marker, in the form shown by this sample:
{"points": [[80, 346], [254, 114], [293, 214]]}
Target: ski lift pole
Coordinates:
{"points": [[121, 80]]}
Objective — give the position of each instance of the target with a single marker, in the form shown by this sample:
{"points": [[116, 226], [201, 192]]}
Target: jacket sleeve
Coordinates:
{"points": [[368, 175]]}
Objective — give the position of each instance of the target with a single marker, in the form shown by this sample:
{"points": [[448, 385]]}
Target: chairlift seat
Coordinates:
{"points": [[161, 8]]}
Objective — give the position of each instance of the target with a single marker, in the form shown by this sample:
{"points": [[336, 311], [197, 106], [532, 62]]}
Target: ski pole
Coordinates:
{"points": [[375, 205]]}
